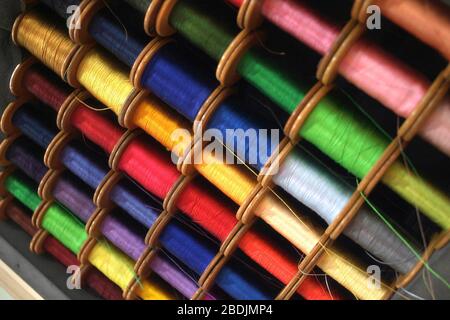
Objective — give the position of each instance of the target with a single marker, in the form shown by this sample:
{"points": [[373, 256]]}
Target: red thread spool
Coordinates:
{"points": [[92, 124], [45, 86]]}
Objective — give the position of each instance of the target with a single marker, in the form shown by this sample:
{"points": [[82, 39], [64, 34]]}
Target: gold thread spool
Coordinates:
{"points": [[46, 41]]}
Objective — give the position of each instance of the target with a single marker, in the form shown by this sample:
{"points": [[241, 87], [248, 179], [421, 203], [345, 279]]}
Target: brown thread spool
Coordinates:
{"points": [[101, 195], [162, 25], [72, 70], [95, 221], [126, 113], [186, 163], [227, 70], [39, 213]]}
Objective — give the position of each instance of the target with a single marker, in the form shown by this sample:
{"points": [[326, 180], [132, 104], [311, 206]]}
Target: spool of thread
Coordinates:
{"points": [[179, 79], [70, 232], [93, 279], [45, 85], [175, 76], [25, 119], [96, 67], [104, 29], [45, 40], [94, 74]]}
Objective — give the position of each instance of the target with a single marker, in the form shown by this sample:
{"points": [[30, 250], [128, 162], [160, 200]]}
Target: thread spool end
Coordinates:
{"points": [[4, 147], [72, 70], [151, 16], [250, 16], [6, 121]]}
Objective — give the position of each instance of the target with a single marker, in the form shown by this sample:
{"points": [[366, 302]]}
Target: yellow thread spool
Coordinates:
{"points": [[119, 269], [105, 79]]}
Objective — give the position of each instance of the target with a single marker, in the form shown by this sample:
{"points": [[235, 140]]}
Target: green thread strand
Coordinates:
{"points": [[57, 220], [200, 28]]}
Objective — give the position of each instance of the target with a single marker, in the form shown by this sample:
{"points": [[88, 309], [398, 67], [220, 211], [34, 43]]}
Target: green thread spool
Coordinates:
{"points": [[261, 71], [59, 222], [335, 126], [20, 190]]}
